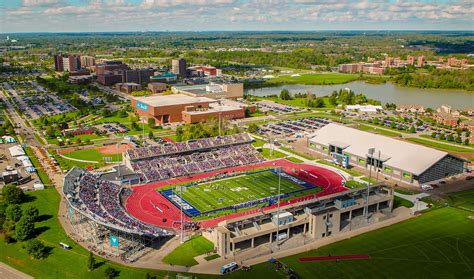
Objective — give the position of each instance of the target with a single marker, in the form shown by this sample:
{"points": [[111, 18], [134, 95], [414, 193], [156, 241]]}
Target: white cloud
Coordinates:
{"points": [[121, 15]]}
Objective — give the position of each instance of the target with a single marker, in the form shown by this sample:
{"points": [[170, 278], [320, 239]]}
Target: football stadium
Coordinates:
{"points": [[221, 188]]}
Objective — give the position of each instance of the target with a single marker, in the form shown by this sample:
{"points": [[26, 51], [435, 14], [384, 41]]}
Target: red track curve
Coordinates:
{"points": [[148, 206]]}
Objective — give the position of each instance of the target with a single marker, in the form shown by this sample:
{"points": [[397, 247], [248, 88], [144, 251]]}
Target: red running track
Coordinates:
{"points": [[147, 205], [335, 258]]}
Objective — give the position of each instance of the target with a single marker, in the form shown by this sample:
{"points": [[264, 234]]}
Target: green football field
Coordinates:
{"points": [[226, 192]]}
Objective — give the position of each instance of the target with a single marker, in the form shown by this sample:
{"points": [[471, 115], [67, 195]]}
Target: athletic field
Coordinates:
{"points": [[231, 191]]}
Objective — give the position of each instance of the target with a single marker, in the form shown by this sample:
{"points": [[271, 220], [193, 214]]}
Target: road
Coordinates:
{"points": [[8, 272]]}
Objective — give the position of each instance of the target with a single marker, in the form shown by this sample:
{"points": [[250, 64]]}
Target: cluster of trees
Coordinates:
{"points": [[7, 128], [348, 97], [459, 79], [453, 137], [406, 126], [18, 223], [207, 129]]}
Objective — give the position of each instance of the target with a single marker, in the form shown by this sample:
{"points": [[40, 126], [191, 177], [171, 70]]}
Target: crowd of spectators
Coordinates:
{"points": [[165, 167], [100, 199], [170, 148]]}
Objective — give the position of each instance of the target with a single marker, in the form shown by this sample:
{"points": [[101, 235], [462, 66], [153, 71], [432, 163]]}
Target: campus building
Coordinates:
{"points": [[183, 108], [313, 219], [178, 67], [212, 90], [399, 160]]}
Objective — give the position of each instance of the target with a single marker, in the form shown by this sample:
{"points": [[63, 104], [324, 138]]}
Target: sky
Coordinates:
{"points": [[233, 15]]}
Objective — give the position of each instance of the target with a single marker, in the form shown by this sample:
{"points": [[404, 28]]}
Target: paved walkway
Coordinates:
{"points": [[8, 272], [418, 204]]}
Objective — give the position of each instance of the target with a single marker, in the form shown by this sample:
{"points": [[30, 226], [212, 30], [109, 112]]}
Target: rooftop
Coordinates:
{"points": [[395, 153], [174, 99]]}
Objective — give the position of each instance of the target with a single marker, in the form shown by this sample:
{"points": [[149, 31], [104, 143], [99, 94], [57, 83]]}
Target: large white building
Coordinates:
{"points": [[397, 159]]}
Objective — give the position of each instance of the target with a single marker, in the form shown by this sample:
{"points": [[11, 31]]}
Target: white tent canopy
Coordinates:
{"points": [[16, 150]]}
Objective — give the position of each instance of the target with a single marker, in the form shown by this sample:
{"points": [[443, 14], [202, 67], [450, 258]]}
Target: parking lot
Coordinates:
{"points": [[270, 106], [111, 128], [292, 127], [33, 104]]}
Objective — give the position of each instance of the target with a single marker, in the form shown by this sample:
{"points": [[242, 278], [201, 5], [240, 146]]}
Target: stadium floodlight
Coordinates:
{"points": [[370, 152]]}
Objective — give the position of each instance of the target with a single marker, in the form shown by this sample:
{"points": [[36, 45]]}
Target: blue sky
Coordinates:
{"points": [[205, 15]]}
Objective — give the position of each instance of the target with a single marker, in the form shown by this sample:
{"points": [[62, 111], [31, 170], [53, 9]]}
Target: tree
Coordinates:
{"points": [[433, 135], [458, 139], [253, 128], [91, 263], [150, 135], [110, 272], [179, 133], [31, 212], [285, 94], [466, 142], [135, 126], [151, 122], [13, 212], [450, 137], [36, 249], [412, 129], [12, 194], [24, 229]]}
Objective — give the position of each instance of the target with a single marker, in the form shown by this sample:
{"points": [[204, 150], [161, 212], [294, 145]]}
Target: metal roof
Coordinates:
{"points": [[398, 154]]}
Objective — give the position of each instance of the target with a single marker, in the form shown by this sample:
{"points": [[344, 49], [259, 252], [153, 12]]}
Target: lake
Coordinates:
{"points": [[386, 93]]}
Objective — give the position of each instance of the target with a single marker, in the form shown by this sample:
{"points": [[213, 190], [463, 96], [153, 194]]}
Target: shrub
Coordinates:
{"points": [[36, 249]]}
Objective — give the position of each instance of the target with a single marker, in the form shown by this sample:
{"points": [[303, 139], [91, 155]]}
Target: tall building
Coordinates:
{"points": [[137, 75], [421, 61], [178, 67], [72, 63], [58, 63], [87, 61], [110, 72]]}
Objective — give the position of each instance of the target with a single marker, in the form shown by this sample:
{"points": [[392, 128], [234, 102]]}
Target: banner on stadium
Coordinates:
{"points": [[114, 241], [70, 213]]}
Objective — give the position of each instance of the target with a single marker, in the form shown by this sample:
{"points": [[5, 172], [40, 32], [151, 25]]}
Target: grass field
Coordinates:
{"points": [[441, 146], [185, 253], [271, 155], [379, 131], [92, 154], [332, 78], [222, 193], [437, 244]]}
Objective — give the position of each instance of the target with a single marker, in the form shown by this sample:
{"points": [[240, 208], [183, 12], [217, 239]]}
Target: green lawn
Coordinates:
{"points": [[271, 155], [296, 153], [227, 192], [441, 146], [332, 78], [352, 184], [437, 244], [442, 141], [258, 143], [351, 171], [60, 263], [66, 164], [92, 154], [185, 253], [464, 200], [376, 130], [294, 160], [397, 202]]}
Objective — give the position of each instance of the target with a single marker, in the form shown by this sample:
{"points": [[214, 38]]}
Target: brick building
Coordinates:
{"points": [[183, 108]]}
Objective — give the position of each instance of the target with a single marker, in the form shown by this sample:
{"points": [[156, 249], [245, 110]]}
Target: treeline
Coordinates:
{"points": [[302, 58], [207, 129], [341, 97], [455, 79]]}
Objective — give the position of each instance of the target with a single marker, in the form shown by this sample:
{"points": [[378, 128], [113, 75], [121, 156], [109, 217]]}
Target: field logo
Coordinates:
{"points": [[114, 241], [142, 106]]}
